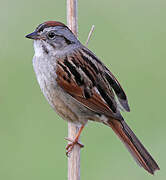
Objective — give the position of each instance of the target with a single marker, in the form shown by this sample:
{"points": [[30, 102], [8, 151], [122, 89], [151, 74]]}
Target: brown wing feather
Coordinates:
{"points": [[110, 81], [67, 84], [86, 85], [94, 103], [117, 89]]}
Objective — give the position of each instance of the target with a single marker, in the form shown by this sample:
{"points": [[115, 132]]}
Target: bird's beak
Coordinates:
{"points": [[33, 35]]}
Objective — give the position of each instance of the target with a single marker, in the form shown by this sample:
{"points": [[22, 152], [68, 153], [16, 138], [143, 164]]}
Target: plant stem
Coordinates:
{"points": [[74, 157]]}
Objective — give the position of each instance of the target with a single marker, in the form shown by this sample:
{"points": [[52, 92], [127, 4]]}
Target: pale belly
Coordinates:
{"points": [[63, 103]]}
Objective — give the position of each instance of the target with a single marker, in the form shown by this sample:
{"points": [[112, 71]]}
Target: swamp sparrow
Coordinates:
{"points": [[79, 87]]}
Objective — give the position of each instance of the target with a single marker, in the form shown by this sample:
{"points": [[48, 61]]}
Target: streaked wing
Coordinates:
{"points": [[86, 79], [111, 81]]}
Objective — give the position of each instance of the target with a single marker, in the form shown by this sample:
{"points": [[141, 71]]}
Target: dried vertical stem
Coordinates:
{"points": [[72, 15], [89, 35], [74, 158]]}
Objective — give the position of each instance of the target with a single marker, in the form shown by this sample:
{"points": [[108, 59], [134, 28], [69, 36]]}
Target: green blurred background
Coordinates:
{"points": [[130, 38]]}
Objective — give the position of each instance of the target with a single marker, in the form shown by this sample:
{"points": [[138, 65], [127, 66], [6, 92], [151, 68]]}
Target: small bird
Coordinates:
{"points": [[79, 87]]}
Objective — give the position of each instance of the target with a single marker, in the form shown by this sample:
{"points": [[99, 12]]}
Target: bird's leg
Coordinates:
{"points": [[70, 146]]}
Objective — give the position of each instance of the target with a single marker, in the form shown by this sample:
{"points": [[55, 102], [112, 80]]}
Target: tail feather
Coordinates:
{"points": [[135, 147]]}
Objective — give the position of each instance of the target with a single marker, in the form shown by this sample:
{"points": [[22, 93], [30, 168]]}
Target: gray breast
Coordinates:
{"points": [[63, 103]]}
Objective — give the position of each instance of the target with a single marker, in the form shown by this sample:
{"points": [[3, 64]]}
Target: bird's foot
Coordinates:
{"points": [[70, 146]]}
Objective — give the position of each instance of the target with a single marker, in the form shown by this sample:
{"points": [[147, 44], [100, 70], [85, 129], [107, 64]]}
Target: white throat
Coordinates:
{"points": [[38, 48]]}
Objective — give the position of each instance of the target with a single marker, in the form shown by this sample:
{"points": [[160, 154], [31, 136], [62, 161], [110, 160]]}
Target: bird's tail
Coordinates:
{"points": [[135, 147]]}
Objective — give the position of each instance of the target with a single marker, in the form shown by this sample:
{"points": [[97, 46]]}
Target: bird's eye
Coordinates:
{"points": [[51, 35]]}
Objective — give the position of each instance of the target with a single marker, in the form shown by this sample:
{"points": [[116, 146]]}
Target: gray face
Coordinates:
{"points": [[53, 39], [57, 37]]}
